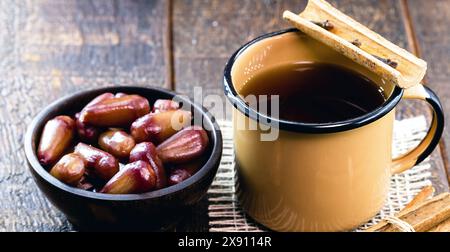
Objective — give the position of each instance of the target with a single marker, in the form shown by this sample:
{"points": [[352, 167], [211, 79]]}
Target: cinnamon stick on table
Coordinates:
{"points": [[423, 195], [442, 227], [422, 217]]}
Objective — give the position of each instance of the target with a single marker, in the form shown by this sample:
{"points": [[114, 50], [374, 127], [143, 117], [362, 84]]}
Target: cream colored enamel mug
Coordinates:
{"points": [[317, 177]]}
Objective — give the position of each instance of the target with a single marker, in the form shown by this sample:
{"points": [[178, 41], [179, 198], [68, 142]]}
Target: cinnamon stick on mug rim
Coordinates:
{"points": [[372, 50]]}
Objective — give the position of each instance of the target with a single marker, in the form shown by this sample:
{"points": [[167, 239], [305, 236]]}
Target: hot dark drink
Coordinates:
{"points": [[316, 92]]}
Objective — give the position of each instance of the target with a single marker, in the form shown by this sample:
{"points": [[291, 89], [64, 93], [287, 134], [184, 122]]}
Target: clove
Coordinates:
{"points": [[327, 25]]}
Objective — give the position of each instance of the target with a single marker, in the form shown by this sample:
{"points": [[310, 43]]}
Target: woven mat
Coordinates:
{"points": [[225, 215]]}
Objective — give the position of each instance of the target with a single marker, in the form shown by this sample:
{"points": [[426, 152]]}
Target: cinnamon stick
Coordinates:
{"points": [[323, 22], [421, 217], [423, 195], [441, 227]]}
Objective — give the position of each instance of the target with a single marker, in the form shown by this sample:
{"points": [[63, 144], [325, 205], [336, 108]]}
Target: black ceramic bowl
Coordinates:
{"points": [[156, 210]]}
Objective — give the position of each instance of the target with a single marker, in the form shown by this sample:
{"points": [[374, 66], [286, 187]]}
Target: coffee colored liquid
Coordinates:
{"points": [[316, 92]]}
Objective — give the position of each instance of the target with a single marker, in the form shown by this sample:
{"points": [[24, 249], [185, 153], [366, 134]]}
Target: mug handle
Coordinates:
{"points": [[431, 140]]}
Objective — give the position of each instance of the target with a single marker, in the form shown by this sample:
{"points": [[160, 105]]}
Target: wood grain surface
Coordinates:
{"points": [[52, 48], [431, 21]]}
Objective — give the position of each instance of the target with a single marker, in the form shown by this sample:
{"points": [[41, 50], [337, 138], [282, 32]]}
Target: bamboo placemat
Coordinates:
{"points": [[225, 215]]}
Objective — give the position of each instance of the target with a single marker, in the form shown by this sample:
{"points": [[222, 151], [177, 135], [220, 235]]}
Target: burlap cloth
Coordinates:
{"points": [[225, 215]]}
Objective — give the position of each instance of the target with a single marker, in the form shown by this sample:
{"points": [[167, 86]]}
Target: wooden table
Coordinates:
{"points": [[53, 48]]}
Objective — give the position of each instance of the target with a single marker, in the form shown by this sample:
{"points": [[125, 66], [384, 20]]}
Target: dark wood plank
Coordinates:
{"points": [[431, 22], [53, 48], [206, 33]]}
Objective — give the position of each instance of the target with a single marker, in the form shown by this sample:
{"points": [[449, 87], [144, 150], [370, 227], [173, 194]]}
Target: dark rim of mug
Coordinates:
{"points": [[211, 164], [239, 103]]}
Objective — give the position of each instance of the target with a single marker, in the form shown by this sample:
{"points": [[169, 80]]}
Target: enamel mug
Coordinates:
{"points": [[317, 177]]}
